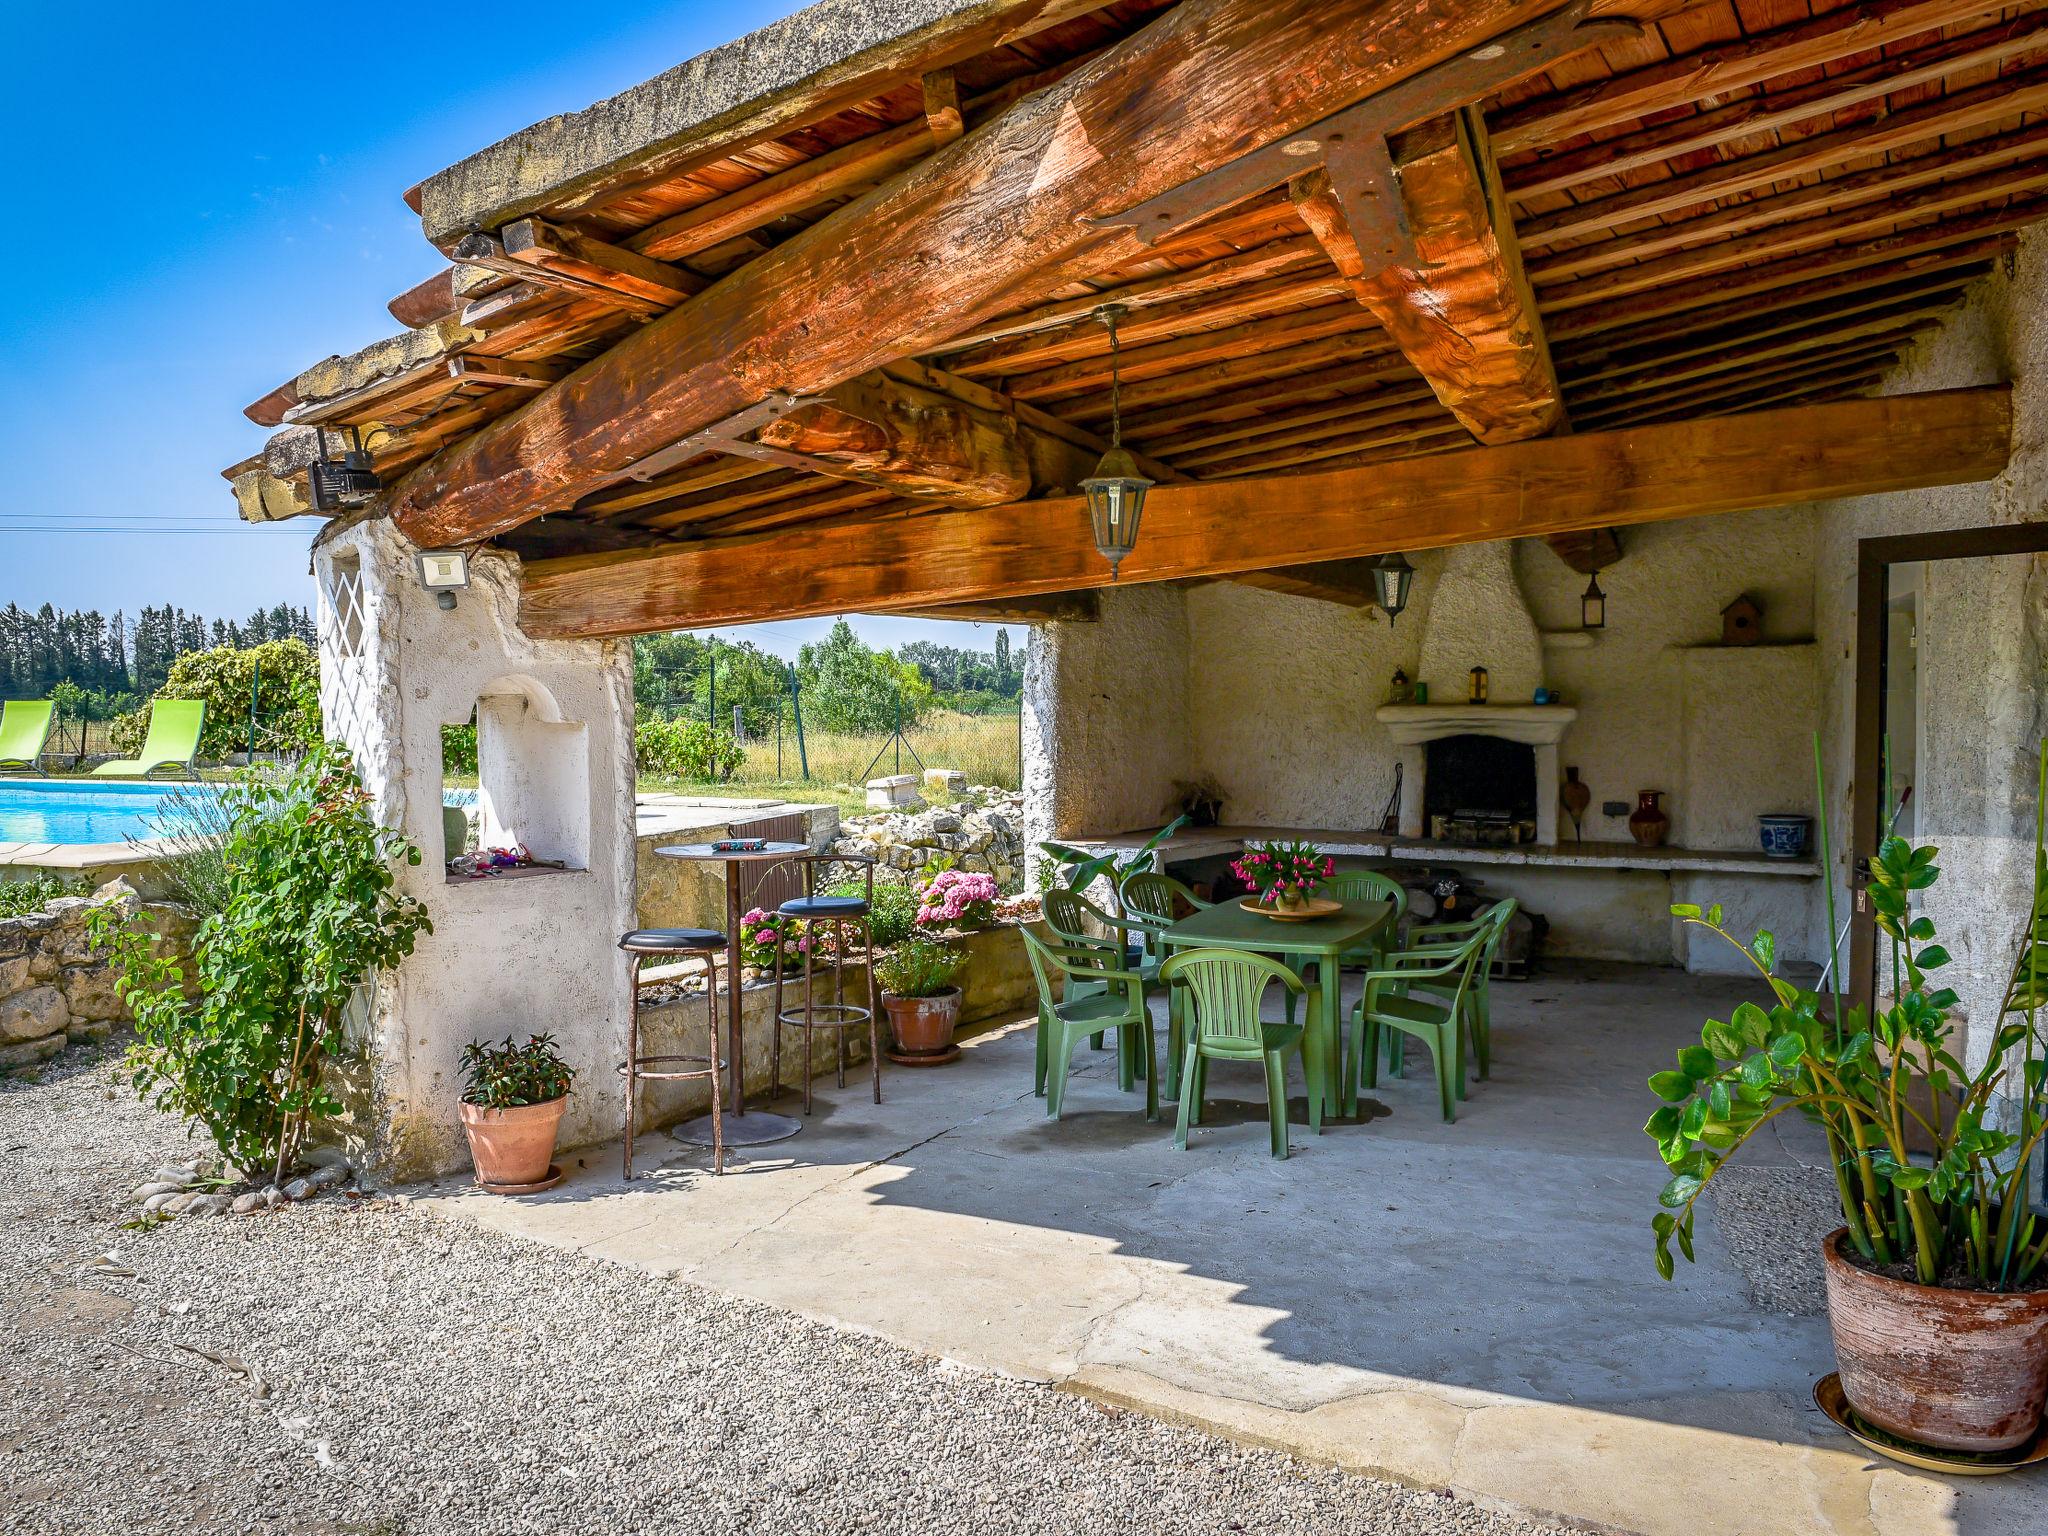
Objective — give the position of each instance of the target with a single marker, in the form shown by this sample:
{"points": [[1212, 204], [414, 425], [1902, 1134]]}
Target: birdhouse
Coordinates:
{"points": [[1742, 622]]}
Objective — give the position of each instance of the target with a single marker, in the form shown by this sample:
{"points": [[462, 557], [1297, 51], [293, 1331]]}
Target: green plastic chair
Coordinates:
{"points": [[1151, 905], [1224, 990], [1114, 998], [24, 728], [1437, 1017], [172, 742], [1479, 996], [1069, 915]]}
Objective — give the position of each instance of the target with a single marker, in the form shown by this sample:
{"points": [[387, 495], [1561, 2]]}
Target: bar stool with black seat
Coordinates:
{"points": [[674, 943], [839, 891]]}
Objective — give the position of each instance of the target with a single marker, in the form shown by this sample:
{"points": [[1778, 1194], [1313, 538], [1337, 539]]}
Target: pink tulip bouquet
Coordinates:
{"points": [[1284, 874], [952, 899]]}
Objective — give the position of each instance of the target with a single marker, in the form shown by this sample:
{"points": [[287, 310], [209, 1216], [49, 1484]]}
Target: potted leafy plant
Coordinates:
{"points": [[1937, 1280], [512, 1106], [1080, 868], [918, 995]]}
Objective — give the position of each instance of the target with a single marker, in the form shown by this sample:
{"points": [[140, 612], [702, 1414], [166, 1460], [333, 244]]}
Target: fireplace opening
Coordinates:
{"points": [[1480, 790]]}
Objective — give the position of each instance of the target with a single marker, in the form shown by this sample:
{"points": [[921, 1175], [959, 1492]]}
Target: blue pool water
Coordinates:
{"points": [[33, 811]]}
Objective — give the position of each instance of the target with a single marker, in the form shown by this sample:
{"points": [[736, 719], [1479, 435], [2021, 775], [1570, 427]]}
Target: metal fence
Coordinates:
{"points": [[781, 741]]}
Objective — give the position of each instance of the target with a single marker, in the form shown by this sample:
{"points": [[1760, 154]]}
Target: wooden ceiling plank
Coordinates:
{"points": [[1046, 608], [940, 248], [1918, 123], [1347, 583], [1802, 235], [1337, 316], [1457, 303], [1748, 117], [1854, 189], [1219, 528], [1855, 266], [1726, 66]]}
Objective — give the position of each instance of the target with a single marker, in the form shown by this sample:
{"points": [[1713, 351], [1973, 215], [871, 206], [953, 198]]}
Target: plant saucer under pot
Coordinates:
{"points": [[922, 1027]]}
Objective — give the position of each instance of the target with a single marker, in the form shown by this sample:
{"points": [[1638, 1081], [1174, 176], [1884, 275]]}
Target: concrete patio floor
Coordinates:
{"points": [[1468, 1306]]}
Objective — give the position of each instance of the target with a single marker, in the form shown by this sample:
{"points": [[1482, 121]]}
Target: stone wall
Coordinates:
{"points": [[982, 832], [1983, 639], [54, 990]]}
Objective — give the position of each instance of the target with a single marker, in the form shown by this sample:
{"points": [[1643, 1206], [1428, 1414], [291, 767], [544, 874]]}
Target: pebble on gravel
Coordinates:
{"points": [[244, 1204], [298, 1189]]}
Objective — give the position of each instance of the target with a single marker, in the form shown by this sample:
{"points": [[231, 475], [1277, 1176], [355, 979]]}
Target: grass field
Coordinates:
{"points": [[984, 747]]}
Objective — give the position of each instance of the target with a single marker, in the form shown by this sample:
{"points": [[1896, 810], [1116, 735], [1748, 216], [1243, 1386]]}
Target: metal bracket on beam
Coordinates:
{"points": [[1361, 130], [720, 437]]}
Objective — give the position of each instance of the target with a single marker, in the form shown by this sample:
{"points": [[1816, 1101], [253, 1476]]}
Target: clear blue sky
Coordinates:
{"points": [[198, 220]]}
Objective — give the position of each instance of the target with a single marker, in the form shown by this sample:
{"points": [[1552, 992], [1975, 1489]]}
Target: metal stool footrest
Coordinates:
{"points": [[679, 943], [826, 1016]]}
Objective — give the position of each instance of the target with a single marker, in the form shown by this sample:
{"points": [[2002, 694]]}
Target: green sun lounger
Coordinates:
{"points": [[24, 727], [172, 742]]}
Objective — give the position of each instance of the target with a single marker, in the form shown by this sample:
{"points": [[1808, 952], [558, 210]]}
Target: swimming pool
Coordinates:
{"points": [[69, 811]]}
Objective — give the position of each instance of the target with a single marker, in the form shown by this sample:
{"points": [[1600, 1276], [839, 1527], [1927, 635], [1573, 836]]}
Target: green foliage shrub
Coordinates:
{"points": [[311, 911], [458, 749], [287, 709], [686, 749], [18, 898], [849, 686]]}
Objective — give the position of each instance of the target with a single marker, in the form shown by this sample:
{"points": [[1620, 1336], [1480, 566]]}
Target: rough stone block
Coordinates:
{"points": [[34, 1014], [891, 791], [29, 1052], [945, 783], [89, 990]]}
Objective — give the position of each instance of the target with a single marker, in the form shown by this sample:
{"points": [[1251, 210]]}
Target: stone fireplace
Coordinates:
{"points": [[1496, 759]]}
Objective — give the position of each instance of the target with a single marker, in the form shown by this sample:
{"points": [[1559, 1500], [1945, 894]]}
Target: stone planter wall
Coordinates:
{"points": [[996, 984], [54, 990]]}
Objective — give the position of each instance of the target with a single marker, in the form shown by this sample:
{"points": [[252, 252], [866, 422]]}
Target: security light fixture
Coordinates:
{"points": [[1116, 491], [347, 481], [1391, 577], [444, 572]]}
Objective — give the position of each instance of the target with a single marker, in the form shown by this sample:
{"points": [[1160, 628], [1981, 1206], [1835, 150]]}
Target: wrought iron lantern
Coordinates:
{"points": [[1116, 491], [347, 481], [1479, 690], [1391, 578], [1593, 606]]}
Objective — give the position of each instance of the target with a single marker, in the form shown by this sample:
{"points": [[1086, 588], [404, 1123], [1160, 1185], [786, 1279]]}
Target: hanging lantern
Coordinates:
{"points": [[1391, 577], [1593, 606], [1478, 685], [1116, 491], [348, 481]]}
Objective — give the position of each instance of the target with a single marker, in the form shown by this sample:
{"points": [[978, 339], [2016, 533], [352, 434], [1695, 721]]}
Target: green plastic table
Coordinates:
{"points": [[1229, 926]]}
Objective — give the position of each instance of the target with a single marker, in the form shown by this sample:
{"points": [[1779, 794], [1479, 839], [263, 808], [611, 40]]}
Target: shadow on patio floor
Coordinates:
{"points": [[1469, 1304]]}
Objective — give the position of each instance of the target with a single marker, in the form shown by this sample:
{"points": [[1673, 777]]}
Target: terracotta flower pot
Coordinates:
{"points": [[923, 1026], [1962, 1370], [513, 1146]]}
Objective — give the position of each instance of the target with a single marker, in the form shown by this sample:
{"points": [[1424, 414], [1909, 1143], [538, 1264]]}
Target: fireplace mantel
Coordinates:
{"points": [[1541, 726], [1536, 725]]}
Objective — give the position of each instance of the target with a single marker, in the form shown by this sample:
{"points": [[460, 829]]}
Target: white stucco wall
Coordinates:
{"points": [[507, 956], [1106, 717], [1982, 630]]}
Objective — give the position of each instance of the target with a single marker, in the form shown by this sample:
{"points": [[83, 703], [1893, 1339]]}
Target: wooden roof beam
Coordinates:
{"points": [[1454, 298], [1544, 486], [1347, 583], [943, 246]]}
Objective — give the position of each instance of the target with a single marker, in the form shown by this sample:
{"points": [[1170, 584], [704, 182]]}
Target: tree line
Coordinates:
{"points": [[100, 665], [844, 683]]}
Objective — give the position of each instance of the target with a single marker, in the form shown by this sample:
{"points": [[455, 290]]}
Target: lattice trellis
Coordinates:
{"points": [[342, 612]]}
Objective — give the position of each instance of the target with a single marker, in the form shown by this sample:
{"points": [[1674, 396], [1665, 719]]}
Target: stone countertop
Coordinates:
{"points": [[1205, 842]]}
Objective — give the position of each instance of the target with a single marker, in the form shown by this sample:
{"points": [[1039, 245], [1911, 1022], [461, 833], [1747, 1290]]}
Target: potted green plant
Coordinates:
{"points": [[1081, 868], [1937, 1280], [918, 995], [512, 1104]]}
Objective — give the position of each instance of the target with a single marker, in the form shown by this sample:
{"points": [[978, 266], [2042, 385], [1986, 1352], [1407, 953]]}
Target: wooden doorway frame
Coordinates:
{"points": [[1874, 560]]}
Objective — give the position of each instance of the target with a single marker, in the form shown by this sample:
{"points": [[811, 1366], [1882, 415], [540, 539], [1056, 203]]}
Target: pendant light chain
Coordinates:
{"points": [[1116, 414]]}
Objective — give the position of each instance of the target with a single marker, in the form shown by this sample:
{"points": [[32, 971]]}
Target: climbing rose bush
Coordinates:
{"points": [[952, 899]]}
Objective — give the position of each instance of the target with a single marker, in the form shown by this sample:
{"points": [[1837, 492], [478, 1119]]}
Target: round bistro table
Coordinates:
{"points": [[741, 1129]]}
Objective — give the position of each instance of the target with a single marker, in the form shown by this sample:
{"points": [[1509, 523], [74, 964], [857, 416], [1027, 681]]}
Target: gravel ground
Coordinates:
{"points": [[1773, 1220], [354, 1366]]}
